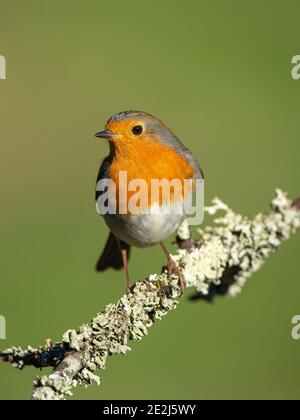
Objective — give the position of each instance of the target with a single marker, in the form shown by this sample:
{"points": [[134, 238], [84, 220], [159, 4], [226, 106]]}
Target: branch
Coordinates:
{"points": [[218, 263]]}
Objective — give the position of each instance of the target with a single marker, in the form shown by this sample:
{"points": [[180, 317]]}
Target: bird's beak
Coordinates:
{"points": [[106, 134]]}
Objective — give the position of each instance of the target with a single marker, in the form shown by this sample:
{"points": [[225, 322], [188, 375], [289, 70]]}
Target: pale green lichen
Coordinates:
{"points": [[236, 242], [57, 386], [183, 231], [220, 262], [109, 332]]}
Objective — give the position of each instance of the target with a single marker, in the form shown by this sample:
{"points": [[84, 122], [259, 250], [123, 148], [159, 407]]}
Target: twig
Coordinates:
{"points": [[218, 263]]}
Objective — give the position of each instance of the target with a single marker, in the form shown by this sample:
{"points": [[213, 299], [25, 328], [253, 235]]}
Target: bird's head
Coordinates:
{"points": [[134, 128]]}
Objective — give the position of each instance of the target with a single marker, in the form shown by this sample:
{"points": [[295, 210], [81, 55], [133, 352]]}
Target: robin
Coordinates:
{"points": [[143, 148]]}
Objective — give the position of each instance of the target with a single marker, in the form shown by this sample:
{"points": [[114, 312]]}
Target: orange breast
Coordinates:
{"points": [[148, 161]]}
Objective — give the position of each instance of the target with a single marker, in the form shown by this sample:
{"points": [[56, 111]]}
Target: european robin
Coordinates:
{"points": [[141, 146]]}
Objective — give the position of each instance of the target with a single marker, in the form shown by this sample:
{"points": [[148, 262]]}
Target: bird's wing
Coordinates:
{"points": [[169, 138], [102, 174]]}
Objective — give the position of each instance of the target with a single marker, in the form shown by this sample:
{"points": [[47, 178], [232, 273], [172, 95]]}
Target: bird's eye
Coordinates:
{"points": [[137, 130]]}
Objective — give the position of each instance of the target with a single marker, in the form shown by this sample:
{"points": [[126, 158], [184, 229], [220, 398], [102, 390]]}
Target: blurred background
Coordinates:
{"points": [[219, 74]]}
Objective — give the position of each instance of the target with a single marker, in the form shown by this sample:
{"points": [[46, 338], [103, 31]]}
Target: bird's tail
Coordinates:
{"points": [[111, 255]]}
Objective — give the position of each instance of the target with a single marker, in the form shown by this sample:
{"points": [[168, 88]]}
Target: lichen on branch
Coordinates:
{"points": [[218, 262]]}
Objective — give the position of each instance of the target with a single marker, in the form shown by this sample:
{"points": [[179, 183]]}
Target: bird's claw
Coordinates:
{"points": [[172, 268]]}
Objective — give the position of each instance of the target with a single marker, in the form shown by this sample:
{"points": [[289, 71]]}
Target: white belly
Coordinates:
{"points": [[145, 230]]}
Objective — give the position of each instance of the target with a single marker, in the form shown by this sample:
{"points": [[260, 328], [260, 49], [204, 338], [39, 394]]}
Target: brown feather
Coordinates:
{"points": [[111, 256]]}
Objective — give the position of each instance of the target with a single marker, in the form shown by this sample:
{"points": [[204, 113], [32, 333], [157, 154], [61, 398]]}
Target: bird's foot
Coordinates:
{"points": [[129, 287], [172, 268]]}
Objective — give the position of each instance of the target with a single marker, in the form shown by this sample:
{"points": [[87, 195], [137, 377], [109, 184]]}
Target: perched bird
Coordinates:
{"points": [[141, 146]]}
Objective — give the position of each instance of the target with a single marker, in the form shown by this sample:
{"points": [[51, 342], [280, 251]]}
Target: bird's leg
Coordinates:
{"points": [[125, 265], [172, 267]]}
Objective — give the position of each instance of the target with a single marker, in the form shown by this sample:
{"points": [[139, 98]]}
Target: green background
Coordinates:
{"points": [[219, 74]]}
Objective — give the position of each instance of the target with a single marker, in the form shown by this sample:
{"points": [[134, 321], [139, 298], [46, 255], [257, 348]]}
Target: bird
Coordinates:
{"points": [[144, 148]]}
